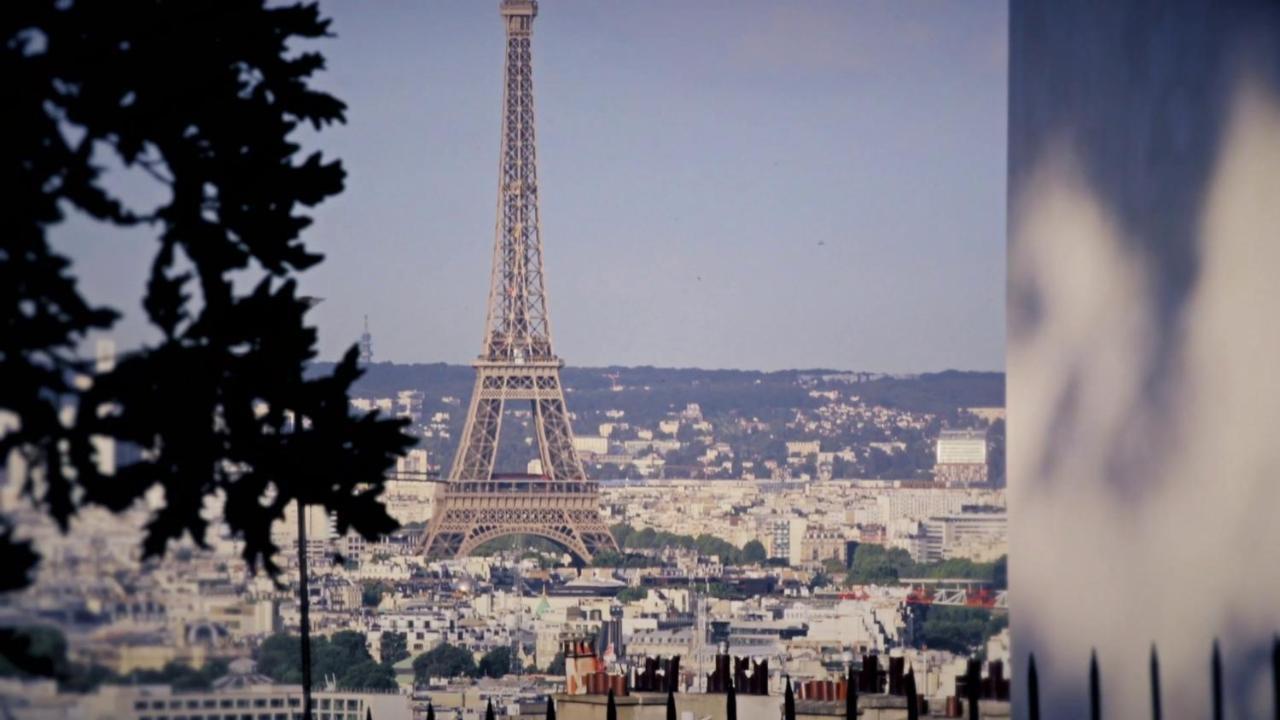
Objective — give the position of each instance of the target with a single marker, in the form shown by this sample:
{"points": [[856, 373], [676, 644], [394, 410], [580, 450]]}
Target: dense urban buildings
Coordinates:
{"points": [[806, 571]]}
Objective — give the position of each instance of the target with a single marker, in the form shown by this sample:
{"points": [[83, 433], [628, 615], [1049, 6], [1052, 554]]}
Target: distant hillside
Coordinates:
{"points": [[935, 392], [755, 413], [717, 391]]}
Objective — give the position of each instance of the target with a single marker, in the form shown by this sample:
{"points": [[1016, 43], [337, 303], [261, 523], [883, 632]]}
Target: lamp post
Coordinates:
{"points": [[304, 607], [292, 421]]}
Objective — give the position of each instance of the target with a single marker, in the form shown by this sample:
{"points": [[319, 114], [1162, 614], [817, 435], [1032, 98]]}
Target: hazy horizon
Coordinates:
{"points": [[650, 366]]}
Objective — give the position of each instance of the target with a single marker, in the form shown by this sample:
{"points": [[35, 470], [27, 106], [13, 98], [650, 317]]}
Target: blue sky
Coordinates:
{"points": [[724, 184]]}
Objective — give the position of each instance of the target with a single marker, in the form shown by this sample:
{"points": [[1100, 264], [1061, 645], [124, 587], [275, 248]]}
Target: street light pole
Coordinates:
{"points": [[305, 607], [291, 424]]}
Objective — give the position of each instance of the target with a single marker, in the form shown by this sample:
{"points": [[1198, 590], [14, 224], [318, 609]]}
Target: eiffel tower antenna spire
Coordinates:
{"points": [[366, 344], [516, 362]]}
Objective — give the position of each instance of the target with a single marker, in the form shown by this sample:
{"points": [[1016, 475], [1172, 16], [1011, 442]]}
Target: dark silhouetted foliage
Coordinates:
{"points": [[495, 663], [445, 661], [611, 559], [371, 593], [36, 650], [394, 647], [368, 675], [632, 594], [344, 656], [179, 675], [753, 553], [202, 99], [876, 564], [959, 630], [629, 538]]}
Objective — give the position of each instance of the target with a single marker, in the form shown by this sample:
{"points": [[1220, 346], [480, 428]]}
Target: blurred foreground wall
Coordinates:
{"points": [[1144, 349]]}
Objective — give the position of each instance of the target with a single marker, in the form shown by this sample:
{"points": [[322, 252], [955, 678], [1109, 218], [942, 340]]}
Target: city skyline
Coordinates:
{"points": [[643, 228]]}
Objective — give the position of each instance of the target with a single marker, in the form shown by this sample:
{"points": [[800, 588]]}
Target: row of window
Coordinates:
{"points": [[192, 704], [243, 716], [275, 702], [394, 623]]}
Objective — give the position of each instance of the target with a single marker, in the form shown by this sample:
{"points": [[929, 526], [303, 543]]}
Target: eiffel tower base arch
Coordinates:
{"points": [[469, 518]]}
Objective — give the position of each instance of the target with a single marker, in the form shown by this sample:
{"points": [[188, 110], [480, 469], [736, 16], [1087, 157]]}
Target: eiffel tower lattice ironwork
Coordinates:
{"points": [[476, 504]]}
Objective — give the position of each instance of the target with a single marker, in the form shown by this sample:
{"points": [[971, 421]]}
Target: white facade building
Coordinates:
{"points": [[591, 444], [962, 447], [981, 536], [961, 457], [409, 405]]}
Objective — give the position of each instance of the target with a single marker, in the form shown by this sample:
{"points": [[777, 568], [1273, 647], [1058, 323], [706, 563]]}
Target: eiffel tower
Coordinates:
{"points": [[517, 363]]}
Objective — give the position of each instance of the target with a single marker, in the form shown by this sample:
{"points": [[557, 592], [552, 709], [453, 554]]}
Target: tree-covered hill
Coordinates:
{"points": [[650, 391], [755, 412]]}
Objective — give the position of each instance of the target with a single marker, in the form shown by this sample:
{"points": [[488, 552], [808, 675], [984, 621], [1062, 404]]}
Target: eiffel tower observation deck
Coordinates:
{"points": [[517, 363]]}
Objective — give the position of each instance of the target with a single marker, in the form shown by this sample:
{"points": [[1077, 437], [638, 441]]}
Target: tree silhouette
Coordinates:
{"points": [[496, 663], [203, 98], [393, 647], [446, 661]]}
